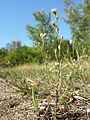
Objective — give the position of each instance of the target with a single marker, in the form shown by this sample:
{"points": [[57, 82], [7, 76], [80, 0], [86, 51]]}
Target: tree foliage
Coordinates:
{"points": [[20, 55], [13, 45], [45, 26], [78, 18], [44, 34]]}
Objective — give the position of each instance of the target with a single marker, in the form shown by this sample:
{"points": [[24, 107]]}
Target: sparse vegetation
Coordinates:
{"points": [[54, 70]]}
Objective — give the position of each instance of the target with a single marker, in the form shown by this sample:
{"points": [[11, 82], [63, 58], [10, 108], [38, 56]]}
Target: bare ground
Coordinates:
{"points": [[14, 106]]}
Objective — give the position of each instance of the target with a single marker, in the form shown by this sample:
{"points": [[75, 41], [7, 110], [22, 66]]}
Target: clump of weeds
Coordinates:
{"points": [[55, 82]]}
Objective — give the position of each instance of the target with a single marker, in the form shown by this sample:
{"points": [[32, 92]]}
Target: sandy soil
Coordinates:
{"points": [[14, 106]]}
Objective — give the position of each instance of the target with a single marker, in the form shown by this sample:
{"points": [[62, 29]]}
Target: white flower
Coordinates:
{"points": [[61, 36], [56, 63], [70, 41], [42, 35], [54, 11]]}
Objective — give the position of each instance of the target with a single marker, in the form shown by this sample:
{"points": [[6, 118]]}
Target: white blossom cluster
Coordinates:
{"points": [[55, 12], [42, 35]]}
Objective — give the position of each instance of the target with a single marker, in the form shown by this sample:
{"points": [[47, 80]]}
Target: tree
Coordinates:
{"points": [[44, 34], [3, 52], [44, 26], [20, 56], [78, 17], [13, 45]]}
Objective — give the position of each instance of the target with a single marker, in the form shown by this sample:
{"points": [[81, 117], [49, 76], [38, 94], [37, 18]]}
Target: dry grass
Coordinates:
{"points": [[74, 74], [40, 82]]}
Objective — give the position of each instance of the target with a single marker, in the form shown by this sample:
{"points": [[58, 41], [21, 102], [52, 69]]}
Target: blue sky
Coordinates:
{"points": [[14, 14]]}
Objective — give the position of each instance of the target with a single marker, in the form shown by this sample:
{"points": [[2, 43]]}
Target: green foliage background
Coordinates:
{"points": [[78, 18]]}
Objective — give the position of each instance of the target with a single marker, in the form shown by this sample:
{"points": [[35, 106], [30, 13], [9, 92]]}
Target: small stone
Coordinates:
{"points": [[42, 107]]}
